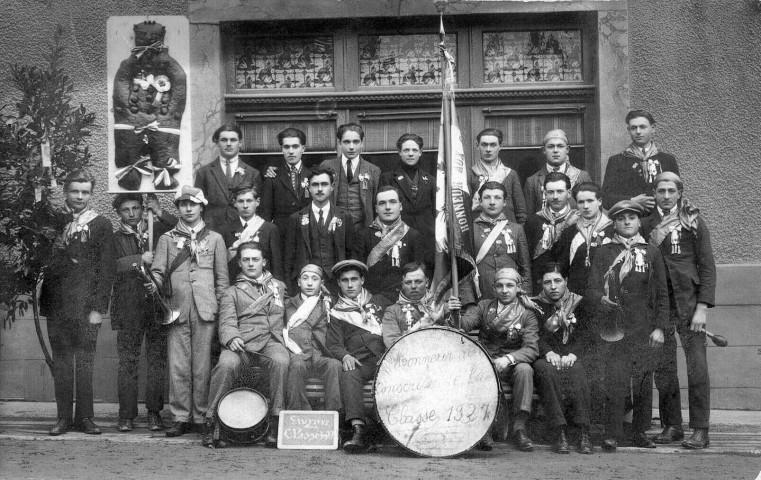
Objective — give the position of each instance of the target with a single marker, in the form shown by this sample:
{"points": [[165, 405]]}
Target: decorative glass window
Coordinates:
{"points": [[284, 62], [391, 60], [533, 56]]}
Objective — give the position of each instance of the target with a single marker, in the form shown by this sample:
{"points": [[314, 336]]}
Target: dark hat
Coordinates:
{"points": [[186, 192], [625, 206], [348, 264]]}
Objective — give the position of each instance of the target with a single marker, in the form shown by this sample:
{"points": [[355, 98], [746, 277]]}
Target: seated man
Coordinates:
{"points": [[250, 328], [354, 337], [304, 336], [414, 309], [563, 333], [508, 329]]}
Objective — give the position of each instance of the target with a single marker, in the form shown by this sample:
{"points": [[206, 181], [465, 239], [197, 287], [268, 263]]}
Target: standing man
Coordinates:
{"points": [[219, 178], [499, 242], [306, 315], [135, 312], [356, 179], [250, 330], [489, 168], [355, 338], [190, 266], [251, 228], [628, 282], [543, 229], [555, 149], [320, 234], [630, 175], [679, 231], [387, 245], [74, 298], [286, 189]]}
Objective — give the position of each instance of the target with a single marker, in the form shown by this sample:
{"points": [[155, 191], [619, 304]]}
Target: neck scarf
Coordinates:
{"points": [[563, 316], [488, 173], [588, 230], [430, 312], [299, 316], [632, 256], [556, 223], [650, 167], [685, 216], [265, 285], [79, 223], [140, 232], [359, 312], [391, 239], [193, 235], [508, 319]]}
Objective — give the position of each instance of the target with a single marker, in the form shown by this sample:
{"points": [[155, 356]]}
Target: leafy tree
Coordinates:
{"points": [[30, 202]]}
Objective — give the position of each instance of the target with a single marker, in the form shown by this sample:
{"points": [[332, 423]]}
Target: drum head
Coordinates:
{"points": [[436, 392], [242, 408]]}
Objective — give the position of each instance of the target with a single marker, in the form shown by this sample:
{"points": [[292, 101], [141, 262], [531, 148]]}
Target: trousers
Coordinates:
{"points": [[352, 384], [300, 368], [553, 383], [629, 374], [128, 343]]}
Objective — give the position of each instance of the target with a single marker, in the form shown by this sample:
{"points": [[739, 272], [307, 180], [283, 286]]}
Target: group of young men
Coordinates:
{"points": [[314, 272]]}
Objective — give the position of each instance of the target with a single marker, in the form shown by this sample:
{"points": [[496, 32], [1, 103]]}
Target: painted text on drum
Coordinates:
{"points": [[462, 413], [400, 360]]}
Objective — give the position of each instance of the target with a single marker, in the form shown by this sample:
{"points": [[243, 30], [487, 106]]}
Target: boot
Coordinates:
{"points": [[155, 424], [86, 425], [698, 440], [207, 440], [670, 433], [124, 425], [640, 439], [585, 444], [487, 443], [357, 443], [179, 429], [270, 440], [63, 426], [561, 442]]}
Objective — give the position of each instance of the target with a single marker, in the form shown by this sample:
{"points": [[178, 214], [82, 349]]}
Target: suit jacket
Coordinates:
{"points": [[499, 258], [270, 240], [524, 346], [279, 200], [624, 180], [691, 273], [515, 203], [311, 334], [578, 271], [131, 305], [535, 184], [580, 337], [200, 282], [419, 212], [346, 339], [79, 277], [367, 195], [395, 323], [219, 192], [255, 328], [298, 247]]}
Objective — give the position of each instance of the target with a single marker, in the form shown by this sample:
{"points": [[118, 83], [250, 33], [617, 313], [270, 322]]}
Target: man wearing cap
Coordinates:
{"points": [[628, 282], [304, 334], [679, 231], [250, 330], [509, 330], [219, 178], [630, 175], [489, 168], [387, 245], [250, 227], [555, 149], [355, 338], [190, 266], [321, 234], [544, 228], [135, 312]]}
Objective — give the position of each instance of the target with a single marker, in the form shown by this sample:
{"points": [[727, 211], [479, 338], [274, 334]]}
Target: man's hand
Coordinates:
{"points": [[554, 359], [608, 303], [151, 287], [568, 361], [95, 318], [271, 172], [454, 304], [350, 363], [502, 364], [236, 344], [645, 200], [152, 204], [699, 318], [147, 258], [657, 338]]}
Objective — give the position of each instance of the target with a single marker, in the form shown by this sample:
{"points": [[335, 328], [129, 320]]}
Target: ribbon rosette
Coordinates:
{"points": [[305, 219], [240, 171], [164, 175], [336, 222], [162, 83], [363, 178], [407, 309], [140, 166]]}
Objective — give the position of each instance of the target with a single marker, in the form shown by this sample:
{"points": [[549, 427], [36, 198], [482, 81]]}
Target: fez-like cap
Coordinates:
{"points": [[669, 177], [312, 268], [186, 192], [555, 134], [625, 206], [348, 264]]}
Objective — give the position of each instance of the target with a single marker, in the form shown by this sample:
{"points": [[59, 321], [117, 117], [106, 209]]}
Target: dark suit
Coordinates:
{"points": [[268, 237], [315, 358], [624, 179], [535, 184], [691, 280], [218, 190], [367, 195], [278, 198], [418, 211]]}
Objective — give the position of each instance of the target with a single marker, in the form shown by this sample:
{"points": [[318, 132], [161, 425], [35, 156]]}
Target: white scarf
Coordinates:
{"points": [[360, 312], [299, 316]]}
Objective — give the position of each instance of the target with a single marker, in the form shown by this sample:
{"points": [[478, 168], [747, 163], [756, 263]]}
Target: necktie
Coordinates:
{"points": [[666, 212], [245, 224], [555, 169], [294, 179], [321, 221], [349, 174], [229, 170]]}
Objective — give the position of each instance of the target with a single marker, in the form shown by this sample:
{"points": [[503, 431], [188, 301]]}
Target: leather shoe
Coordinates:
{"points": [[207, 440], [609, 445], [487, 443], [670, 433], [640, 439], [522, 441], [124, 425], [585, 444], [561, 442], [698, 440], [179, 429], [357, 442], [61, 427], [155, 424], [86, 425]]}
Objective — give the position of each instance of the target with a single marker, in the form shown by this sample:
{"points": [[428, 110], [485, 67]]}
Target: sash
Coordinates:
{"points": [[250, 231], [389, 242], [497, 230], [299, 316], [360, 313]]}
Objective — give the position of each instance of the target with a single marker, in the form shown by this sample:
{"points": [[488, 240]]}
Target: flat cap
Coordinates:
{"points": [[625, 206], [186, 192], [346, 264]]}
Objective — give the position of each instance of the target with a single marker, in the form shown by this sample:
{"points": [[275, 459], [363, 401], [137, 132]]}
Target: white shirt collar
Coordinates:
{"points": [[297, 166], [562, 169], [660, 210], [354, 162], [244, 222], [325, 211], [233, 163]]}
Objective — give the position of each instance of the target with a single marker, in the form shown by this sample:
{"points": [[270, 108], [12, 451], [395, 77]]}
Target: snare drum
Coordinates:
{"points": [[242, 416], [436, 392]]}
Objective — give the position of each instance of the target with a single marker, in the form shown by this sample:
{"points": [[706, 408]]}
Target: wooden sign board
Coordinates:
{"points": [[308, 430]]}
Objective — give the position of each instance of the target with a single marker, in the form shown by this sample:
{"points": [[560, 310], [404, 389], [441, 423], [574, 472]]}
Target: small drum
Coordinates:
{"points": [[242, 416], [436, 392]]}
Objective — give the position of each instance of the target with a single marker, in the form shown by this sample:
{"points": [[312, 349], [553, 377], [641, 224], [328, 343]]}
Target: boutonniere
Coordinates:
{"points": [[84, 231], [240, 171], [407, 309], [305, 219], [400, 178], [181, 243], [482, 179], [305, 184], [425, 178], [515, 330], [256, 238], [492, 311], [238, 234], [605, 241], [572, 318], [334, 223], [371, 312], [487, 230], [363, 178], [204, 246], [379, 234]]}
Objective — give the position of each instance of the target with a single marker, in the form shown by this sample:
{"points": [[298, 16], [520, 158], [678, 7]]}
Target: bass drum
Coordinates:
{"points": [[436, 392], [242, 416]]}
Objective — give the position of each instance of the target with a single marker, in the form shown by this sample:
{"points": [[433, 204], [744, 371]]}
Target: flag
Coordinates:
{"points": [[454, 234]]}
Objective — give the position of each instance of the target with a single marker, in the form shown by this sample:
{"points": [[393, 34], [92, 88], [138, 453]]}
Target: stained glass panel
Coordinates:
{"points": [[284, 62], [535, 56], [390, 60]]}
